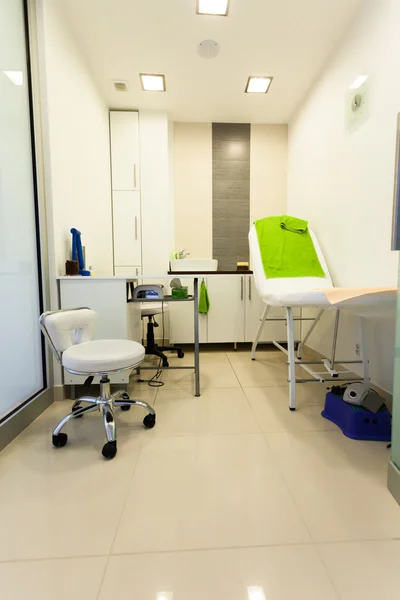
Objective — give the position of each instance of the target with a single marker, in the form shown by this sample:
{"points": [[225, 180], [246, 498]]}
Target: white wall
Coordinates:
{"points": [[268, 170], [343, 182], [193, 181], [193, 188], [76, 139]]}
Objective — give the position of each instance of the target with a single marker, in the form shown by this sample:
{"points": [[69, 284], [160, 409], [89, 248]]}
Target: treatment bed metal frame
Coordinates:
{"points": [[329, 372]]}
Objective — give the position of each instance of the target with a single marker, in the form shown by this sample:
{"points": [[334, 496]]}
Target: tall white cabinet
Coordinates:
{"points": [[126, 196], [124, 140], [127, 229]]}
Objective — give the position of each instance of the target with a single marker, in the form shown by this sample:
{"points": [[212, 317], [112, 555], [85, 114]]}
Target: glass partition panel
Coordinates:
{"points": [[21, 357]]}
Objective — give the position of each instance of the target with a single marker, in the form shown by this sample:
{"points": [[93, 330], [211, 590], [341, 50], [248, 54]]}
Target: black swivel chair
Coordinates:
{"points": [[149, 312]]}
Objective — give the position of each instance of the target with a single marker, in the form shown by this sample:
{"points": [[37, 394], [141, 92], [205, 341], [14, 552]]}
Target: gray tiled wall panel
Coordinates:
{"points": [[231, 193]]}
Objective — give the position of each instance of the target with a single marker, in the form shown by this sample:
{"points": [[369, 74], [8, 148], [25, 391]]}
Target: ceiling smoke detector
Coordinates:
{"points": [[120, 86], [208, 49]]}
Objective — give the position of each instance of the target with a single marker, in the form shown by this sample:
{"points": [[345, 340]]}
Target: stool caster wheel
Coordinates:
{"points": [[181, 354], [109, 450], [125, 396], [149, 421], [292, 409], [75, 408], [165, 364], [60, 440]]}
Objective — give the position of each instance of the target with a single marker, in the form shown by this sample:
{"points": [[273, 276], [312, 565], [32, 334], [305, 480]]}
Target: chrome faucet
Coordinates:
{"points": [[183, 254]]}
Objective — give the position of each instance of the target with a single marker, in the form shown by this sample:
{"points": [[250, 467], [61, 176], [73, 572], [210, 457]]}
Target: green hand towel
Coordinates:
{"points": [[286, 248], [204, 302], [294, 225]]}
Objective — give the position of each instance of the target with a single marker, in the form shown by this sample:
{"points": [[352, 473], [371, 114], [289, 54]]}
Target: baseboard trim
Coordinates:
{"points": [[10, 429], [59, 393], [393, 481]]}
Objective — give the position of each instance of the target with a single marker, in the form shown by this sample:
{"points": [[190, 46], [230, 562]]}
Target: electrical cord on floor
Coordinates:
{"points": [[155, 380]]}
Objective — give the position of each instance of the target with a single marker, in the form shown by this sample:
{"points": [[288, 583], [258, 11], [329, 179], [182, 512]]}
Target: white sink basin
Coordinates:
{"points": [[194, 265]]}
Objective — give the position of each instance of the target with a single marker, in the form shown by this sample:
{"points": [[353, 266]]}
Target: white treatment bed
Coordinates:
{"points": [[318, 293]]}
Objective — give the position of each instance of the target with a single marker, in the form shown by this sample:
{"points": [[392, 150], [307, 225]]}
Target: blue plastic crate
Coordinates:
{"points": [[357, 422]]}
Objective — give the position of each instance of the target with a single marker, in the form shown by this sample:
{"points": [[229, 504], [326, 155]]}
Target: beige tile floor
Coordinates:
{"points": [[230, 496]]}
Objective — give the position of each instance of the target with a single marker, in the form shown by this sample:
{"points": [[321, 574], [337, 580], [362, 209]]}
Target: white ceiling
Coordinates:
{"points": [[288, 39]]}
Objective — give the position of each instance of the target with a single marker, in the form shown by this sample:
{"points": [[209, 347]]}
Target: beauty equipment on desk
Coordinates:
{"points": [[177, 290], [148, 292]]}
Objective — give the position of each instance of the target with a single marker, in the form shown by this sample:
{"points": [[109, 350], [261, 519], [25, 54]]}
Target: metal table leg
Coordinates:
{"points": [[196, 336], [364, 351], [291, 359], [335, 335]]}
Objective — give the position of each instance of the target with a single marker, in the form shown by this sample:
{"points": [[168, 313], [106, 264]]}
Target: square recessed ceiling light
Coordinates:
{"points": [[258, 85], [358, 82], [256, 593], [219, 8], [153, 83], [16, 77]]}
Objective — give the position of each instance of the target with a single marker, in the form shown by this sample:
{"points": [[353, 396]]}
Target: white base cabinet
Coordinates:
{"points": [[234, 315], [226, 314]]}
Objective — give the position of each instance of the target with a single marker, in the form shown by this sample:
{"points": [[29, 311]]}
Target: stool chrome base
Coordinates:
{"points": [[105, 403]]}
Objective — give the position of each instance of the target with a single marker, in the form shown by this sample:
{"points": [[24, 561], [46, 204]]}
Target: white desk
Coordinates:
{"points": [[118, 318]]}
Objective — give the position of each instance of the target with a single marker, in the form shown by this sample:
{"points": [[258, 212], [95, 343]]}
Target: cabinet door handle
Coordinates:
{"points": [[137, 271], [136, 229], [134, 175], [241, 288], [250, 288]]}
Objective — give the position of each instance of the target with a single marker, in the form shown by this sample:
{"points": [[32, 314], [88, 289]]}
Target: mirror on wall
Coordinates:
{"points": [[396, 201]]}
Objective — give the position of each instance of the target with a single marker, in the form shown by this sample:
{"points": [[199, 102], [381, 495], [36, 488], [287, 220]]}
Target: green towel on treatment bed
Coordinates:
{"points": [[286, 248], [204, 302], [294, 225]]}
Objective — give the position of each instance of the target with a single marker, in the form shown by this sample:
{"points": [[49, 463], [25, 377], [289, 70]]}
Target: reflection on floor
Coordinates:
{"points": [[229, 497]]}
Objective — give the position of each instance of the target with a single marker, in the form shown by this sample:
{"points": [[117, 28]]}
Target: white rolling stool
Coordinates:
{"points": [[69, 334]]}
